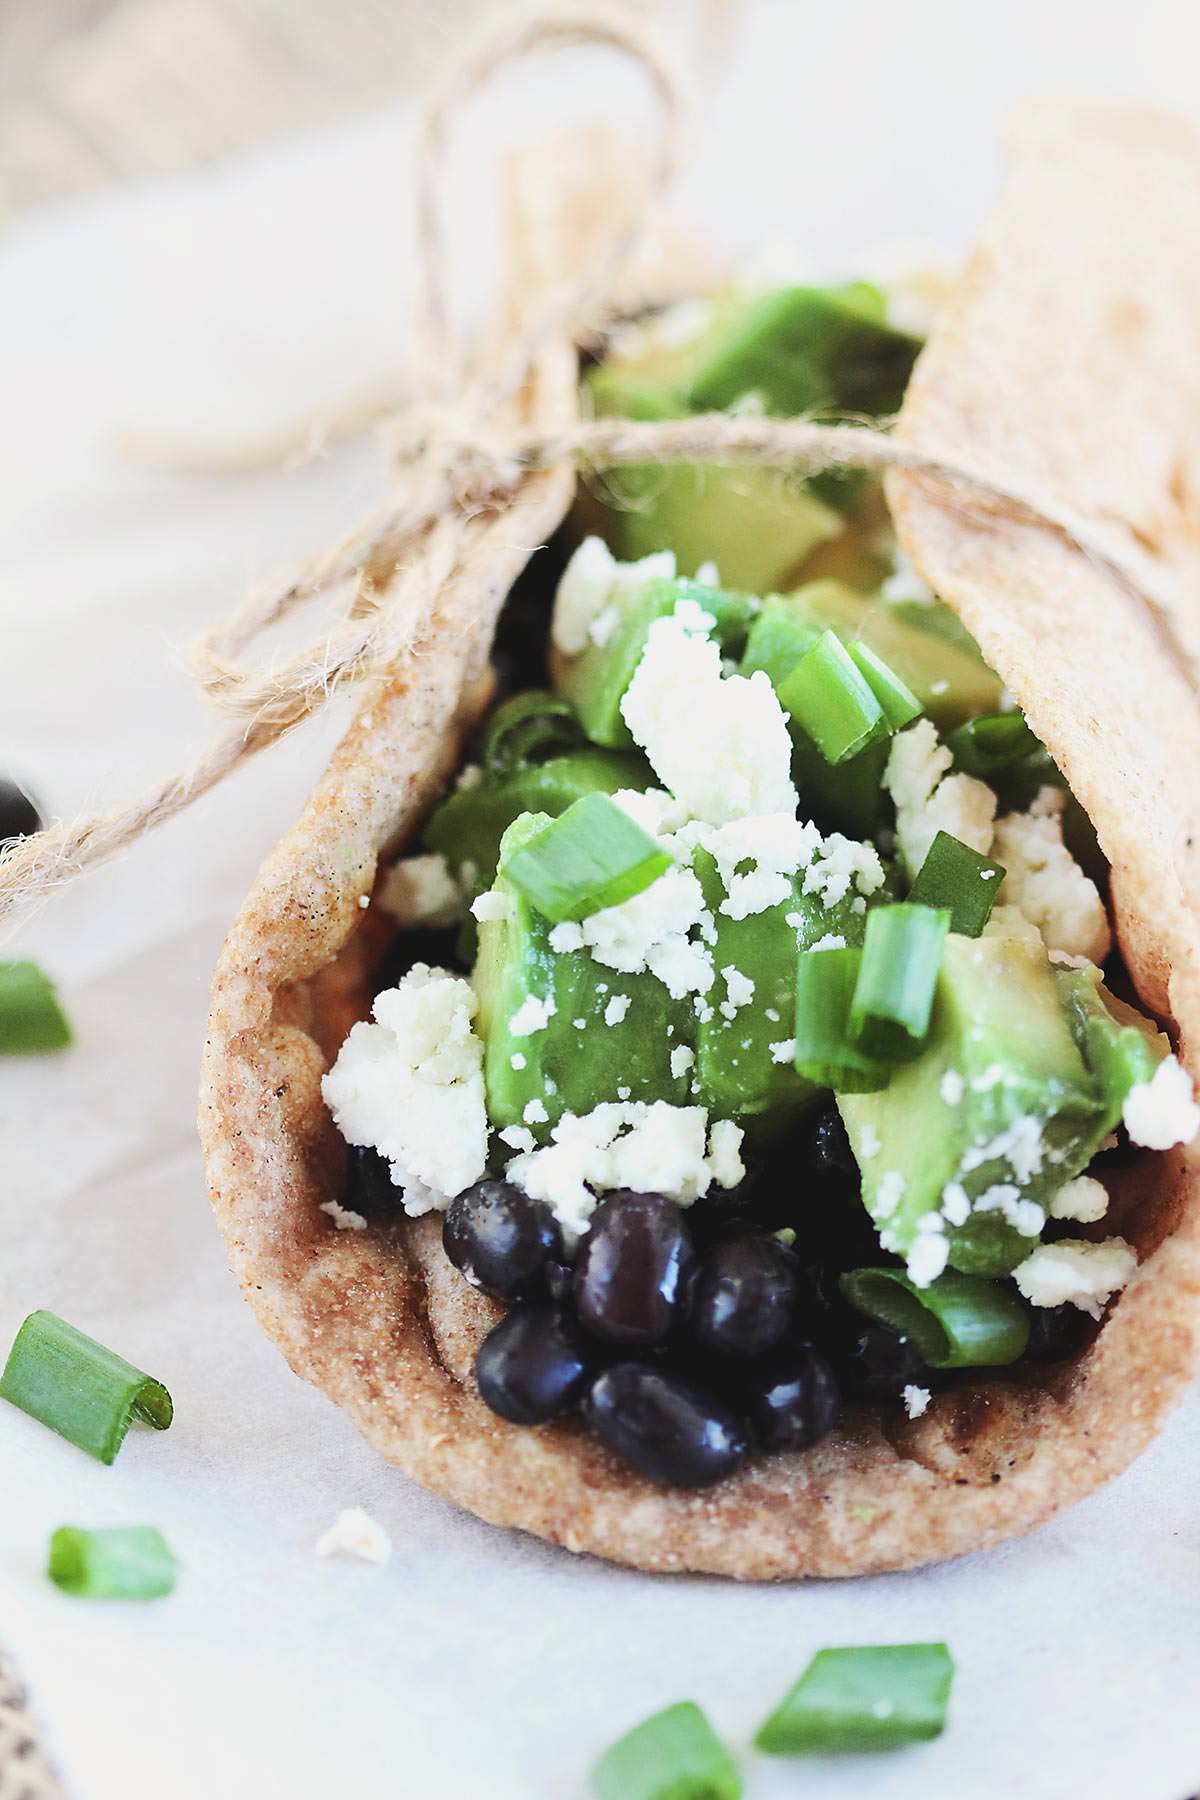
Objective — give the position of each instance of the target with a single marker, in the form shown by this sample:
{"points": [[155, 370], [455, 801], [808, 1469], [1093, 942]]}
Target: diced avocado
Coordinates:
{"points": [[736, 1073], [803, 349], [1119, 1045], [595, 681], [469, 823], [1001, 1099], [563, 1065]]}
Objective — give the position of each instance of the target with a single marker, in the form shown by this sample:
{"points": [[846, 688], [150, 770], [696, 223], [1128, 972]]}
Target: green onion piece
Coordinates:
{"points": [[897, 979], [591, 856], [876, 1697], [30, 1015], [527, 729], [957, 1322], [900, 705], [674, 1755], [78, 1388], [827, 1050], [831, 701], [957, 878], [991, 742], [129, 1562]]}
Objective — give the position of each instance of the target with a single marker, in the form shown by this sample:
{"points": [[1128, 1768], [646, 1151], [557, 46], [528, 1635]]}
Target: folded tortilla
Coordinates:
{"points": [[1067, 363]]}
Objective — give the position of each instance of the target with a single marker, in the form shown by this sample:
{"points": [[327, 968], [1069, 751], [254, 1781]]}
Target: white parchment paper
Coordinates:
{"points": [[475, 1664]]}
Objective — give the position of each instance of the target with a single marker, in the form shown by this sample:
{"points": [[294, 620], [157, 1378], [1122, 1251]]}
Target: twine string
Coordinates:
{"points": [[460, 465]]}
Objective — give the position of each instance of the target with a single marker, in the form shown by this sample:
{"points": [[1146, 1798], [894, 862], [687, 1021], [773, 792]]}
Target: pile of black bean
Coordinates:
{"points": [[687, 1337]]}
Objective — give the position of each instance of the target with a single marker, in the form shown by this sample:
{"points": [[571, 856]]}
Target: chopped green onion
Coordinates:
{"points": [[897, 979], [527, 729], [871, 1698], [128, 1562], [956, 877], [591, 856], [30, 1015], [674, 1755], [827, 1050], [831, 701], [957, 1322], [992, 742], [900, 705], [78, 1388]]}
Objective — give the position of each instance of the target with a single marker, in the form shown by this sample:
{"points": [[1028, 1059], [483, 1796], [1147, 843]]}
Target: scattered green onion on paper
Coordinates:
{"points": [[957, 1322], [592, 856], [872, 1698], [86, 1393], [893, 993], [125, 1562], [674, 1755], [31, 1018], [958, 878]]}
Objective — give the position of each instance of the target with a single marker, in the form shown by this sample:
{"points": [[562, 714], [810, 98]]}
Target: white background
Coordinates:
{"points": [[475, 1664]]}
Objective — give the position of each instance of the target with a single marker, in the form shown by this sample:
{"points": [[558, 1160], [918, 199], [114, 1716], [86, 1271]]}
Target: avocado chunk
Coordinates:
{"points": [[596, 680], [1119, 1045], [737, 1074], [803, 349], [469, 823], [1000, 1106], [620, 1052], [758, 525]]}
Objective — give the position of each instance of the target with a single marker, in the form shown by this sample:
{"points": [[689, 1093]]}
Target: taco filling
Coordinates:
{"points": [[754, 1017]]}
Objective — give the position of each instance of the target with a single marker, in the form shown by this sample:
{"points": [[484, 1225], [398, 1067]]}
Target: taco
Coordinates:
{"points": [[706, 1079]]}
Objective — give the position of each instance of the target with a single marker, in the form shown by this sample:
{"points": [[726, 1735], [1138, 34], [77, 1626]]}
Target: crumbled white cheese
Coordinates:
{"points": [[833, 940], [1162, 1112], [708, 574], [951, 1087], [491, 908], [592, 582], [929, 799], [1046, 883], [1085, 1200], [720, 744], [1025, 1216], [532, 1015], [343, 1217], [784, 1050], [869, 1143], [650, 932], [654, 1148], [740, 989], [616, 1009], [956, 1204], [565, 937], [517, 1138], [929, 1252], [470, 776], [656, 811], [840, 864], [889, 1193], [1019, 1145], [1010, 922], [916, 1400], [603, 626], [1076, 1273], [517, 1059], [535, 1113], [682, 1058], [725, 1153], [355, 1533], [421, 891], [756, 859], [410, 1085], [364, 901], [905, 583]]}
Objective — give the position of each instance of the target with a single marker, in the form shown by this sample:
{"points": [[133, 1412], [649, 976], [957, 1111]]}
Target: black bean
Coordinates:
{"points": [[792, 1398], [501, 1239], [631, 1267], [745, 1296], [532, 1365], [1057, 1332], [19, 815], [666, 1426], [370, 1188]]}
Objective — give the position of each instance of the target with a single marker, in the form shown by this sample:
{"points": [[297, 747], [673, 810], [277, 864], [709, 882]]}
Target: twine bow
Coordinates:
{"points": [[454, 464]]}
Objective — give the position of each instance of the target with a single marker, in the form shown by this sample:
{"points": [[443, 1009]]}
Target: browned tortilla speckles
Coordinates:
{"points": [[1068, 357]]}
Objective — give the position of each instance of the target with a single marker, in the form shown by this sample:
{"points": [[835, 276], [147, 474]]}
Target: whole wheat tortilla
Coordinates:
{"points": [[1069, 357]]}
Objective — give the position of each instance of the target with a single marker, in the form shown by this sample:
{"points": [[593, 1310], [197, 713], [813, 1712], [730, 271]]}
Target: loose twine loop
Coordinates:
{"points": [[458, 470]]}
